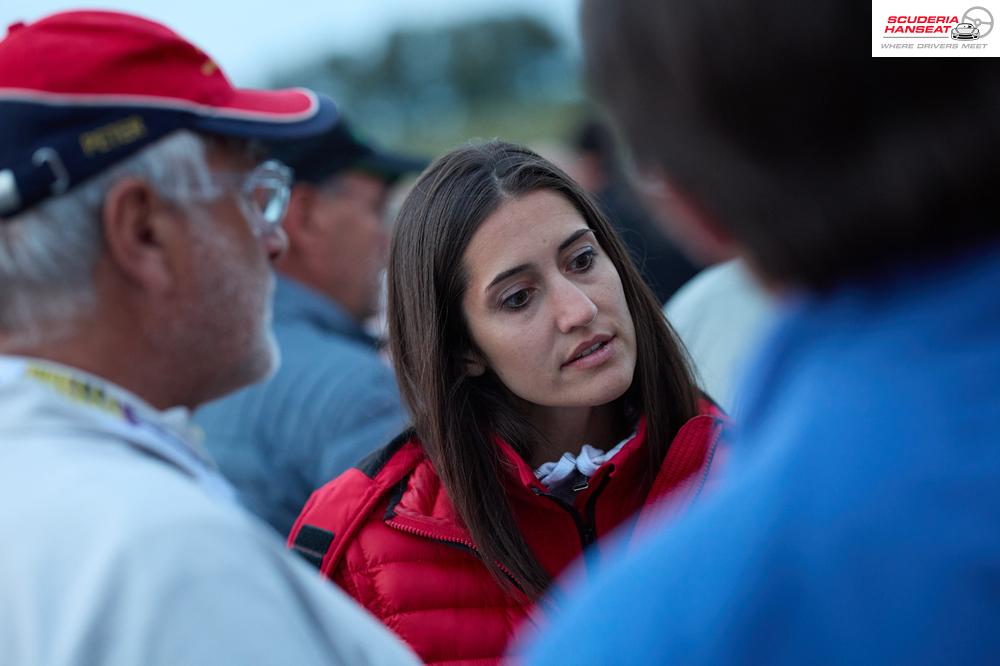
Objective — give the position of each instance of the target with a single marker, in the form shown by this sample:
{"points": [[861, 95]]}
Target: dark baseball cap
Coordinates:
{"points": [[339, 149], [82, 90]]}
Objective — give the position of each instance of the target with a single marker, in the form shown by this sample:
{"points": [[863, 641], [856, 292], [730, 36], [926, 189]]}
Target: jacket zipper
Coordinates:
{"points": [[464, 544], [592, 504], [707, 465], [586, 528]]}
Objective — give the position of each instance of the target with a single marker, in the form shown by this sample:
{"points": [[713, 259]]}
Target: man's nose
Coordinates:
{"points": [[275, 243]]}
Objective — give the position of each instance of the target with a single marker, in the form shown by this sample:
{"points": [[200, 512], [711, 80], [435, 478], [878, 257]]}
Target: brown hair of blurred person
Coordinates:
{"points": [[818, 164]]}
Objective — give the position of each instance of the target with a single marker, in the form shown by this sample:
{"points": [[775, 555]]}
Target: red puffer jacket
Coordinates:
{"points": [[387, 533]]}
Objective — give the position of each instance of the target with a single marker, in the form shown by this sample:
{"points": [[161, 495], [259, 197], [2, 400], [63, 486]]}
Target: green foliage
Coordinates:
{"points": [[429, 89]]}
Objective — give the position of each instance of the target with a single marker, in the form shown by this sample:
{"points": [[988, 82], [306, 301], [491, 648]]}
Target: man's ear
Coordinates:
{"points": [[299, 223], [686, 221], [299, 204], [135, 222]]}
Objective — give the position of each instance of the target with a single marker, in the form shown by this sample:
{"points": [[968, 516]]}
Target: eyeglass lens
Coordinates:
{"points": [[268, 194]]}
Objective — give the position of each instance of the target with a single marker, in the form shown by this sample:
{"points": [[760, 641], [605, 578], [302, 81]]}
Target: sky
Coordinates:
{"points": [[253, 39]]}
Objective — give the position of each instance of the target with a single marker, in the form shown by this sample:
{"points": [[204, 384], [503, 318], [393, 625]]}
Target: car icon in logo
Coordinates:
{"points": [[965, 31]]}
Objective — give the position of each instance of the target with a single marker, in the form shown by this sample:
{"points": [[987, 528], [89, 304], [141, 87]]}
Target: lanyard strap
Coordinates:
{"points": [[114, 412]]}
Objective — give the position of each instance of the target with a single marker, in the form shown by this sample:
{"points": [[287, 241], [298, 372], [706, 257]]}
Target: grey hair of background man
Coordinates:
{"points": [[48, 254]]}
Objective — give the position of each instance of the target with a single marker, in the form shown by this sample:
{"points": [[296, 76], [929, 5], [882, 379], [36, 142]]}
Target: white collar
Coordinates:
{"points": [[51, 390], [569, 474]]}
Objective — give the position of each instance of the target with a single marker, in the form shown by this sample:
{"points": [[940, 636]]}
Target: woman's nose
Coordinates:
{"points": [[574, 308]]}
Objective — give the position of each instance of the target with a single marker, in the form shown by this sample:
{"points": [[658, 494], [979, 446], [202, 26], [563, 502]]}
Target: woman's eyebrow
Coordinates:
{"points": [[572, 238], [503, 275]]}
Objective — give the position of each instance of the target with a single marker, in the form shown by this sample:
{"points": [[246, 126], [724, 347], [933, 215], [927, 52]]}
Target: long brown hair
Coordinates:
{"points": [[455, 415]]}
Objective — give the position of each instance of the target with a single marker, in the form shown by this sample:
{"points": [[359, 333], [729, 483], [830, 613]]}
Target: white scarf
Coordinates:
{"points": [[563, 477]]}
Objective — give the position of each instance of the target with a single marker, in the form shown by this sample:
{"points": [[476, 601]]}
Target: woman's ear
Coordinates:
{"points": [[474, 366]]}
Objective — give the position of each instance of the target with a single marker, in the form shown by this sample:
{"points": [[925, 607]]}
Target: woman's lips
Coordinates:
{"points": [[595, 358]]}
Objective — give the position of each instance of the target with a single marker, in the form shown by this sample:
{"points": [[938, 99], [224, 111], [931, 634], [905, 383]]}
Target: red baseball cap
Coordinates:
{"points": [[81, 90]]}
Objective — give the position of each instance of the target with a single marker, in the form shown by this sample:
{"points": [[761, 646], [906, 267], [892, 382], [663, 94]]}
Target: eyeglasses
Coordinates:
{"points": [[262, 194]]}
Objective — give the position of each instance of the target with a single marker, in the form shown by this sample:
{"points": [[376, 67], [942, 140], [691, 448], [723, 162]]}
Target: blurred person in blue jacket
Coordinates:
{"points": [[333, 399], [859, 520]]}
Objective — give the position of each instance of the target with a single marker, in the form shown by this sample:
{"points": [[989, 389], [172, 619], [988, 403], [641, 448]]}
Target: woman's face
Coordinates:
{"points": [[545, 305]]}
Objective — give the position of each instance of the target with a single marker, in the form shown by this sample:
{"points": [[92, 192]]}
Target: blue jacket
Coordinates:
{"points": [[331, 403], [860, 520]]}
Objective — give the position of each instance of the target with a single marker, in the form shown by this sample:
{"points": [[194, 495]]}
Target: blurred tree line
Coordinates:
{"points": [[428, 89]]}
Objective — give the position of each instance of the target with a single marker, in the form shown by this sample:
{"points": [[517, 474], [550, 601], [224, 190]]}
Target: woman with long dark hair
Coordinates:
{"points": [[551, 405]]}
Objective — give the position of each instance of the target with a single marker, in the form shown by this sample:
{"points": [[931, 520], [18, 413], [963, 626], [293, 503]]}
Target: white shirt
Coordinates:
{"points": [[720, 315], [120, 545]]}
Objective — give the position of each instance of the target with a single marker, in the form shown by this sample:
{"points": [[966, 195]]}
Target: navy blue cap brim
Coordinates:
{"points": [[391, 166], [339, 149], [48, 148]]}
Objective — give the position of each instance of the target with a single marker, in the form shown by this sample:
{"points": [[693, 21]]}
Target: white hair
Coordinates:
{"points": [[48, 253]]}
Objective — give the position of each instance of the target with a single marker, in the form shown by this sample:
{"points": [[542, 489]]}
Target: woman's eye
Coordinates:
{"points": [[583, 261], [517, 300]]}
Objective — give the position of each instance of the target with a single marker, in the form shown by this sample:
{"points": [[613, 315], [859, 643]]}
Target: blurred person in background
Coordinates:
{"points": [[721, 315], [857, 522], [137, 228], [597, 166], [718, 313], [333, 400], [552, 405]]}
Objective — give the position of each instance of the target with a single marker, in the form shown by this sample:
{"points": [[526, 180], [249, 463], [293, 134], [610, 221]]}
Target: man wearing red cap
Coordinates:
{"points": [[136, 234]]}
